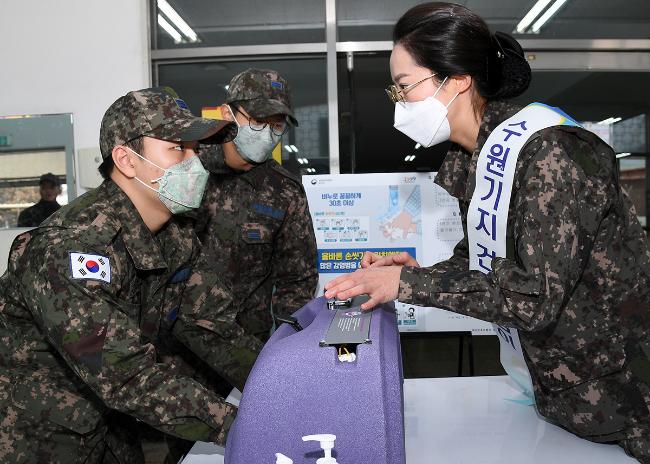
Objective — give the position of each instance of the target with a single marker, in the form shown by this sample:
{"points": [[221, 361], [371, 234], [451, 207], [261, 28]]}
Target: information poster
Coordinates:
{"points": [[387, 213]]}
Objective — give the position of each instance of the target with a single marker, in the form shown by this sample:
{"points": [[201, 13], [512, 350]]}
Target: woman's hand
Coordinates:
{"points": [[381, 283], [371, 259]]}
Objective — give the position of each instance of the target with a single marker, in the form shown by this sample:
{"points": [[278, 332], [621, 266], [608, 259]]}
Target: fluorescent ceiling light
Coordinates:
{"points": [[547, 15], [169, 29], [622, 155], [176, 19], [409, 158], [610, 120], [417, 145], [531, 15], [291, 149]]}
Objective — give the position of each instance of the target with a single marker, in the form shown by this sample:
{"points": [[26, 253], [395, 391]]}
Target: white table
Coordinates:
{"points": [[468, 420]]}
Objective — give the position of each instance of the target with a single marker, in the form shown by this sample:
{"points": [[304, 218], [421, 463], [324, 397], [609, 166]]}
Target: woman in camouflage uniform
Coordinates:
{"points": [[575, 278]]}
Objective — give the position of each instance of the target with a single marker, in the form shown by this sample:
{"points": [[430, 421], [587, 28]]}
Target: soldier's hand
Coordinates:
{"points": [[380, 283]]}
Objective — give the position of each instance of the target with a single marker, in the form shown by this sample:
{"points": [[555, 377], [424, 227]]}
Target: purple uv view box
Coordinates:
{"points": [[299, 387]]}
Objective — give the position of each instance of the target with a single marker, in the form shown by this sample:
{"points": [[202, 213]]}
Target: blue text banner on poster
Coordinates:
{"points": [[337, 260]]}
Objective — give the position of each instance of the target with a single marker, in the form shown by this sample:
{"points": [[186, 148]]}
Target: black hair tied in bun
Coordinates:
{"points": [[508, 71]]}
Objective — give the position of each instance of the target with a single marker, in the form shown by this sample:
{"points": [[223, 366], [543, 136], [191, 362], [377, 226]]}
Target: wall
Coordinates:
{"points": [[71, 56]]}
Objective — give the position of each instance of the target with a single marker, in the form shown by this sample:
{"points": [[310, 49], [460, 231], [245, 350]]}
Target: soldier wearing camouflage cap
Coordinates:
{"points": [[107, 309], [254, 217], [49, 188], [572, 271]]}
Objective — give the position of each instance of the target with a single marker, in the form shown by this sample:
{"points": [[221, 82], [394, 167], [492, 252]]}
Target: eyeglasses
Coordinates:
{"points": [[396, 94], [278, 128]]}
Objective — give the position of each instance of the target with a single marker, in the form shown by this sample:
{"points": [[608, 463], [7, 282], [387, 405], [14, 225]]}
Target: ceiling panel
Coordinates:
{"points": [[247, 22]]}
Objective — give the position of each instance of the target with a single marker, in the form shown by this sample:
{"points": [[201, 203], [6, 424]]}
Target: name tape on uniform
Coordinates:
{"points": [[94, 267]]}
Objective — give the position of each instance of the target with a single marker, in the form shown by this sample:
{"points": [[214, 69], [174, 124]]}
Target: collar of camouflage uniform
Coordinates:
{"points": [[454, 172]]}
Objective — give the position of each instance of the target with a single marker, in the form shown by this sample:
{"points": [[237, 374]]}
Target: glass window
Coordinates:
{"points": [[366, 20], [600, 19], [605, 97], [634, 179], [630, 135], [305, 148], [197, 23]]}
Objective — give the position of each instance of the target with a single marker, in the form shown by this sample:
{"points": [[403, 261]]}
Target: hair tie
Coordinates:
{"points": [[493, 64], [497, 47]]}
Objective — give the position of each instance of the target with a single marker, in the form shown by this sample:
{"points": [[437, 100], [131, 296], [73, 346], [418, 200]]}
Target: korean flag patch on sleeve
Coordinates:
{"points": [[93, 267]]}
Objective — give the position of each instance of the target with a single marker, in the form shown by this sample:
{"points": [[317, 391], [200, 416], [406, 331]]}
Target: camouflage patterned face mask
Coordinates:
{"points": [[181, 186]]}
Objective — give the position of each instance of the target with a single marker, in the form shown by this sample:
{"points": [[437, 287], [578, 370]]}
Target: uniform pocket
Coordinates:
{"points": [[567, 370], [590, 394], [598, 409]]}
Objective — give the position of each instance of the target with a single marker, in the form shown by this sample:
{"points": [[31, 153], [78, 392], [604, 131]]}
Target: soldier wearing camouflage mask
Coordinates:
{"points": [[107, 310], [574, 275], [255, 216]]}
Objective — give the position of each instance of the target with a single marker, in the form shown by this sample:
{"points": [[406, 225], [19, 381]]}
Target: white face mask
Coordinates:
{"points": [[255, 147], [424, 121]]}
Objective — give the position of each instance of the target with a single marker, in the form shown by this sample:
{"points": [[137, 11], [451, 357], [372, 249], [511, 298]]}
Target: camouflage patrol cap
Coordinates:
{"points": [[262, 93], [157, 112]]}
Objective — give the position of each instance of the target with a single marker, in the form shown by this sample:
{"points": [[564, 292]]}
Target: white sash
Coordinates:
{"points": [[487, 217]]}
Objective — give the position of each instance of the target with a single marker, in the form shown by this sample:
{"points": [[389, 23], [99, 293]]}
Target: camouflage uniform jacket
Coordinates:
{"points": [[258, 227], [576, 279], [34, 215], [74, 350]]}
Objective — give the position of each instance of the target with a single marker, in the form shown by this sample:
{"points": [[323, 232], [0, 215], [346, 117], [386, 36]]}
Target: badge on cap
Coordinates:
{"points": [[182, 104], [93, 267]]}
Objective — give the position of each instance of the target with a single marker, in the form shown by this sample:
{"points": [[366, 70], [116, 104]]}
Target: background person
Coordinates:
{"points": [[254, 218], [49, 189]]}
